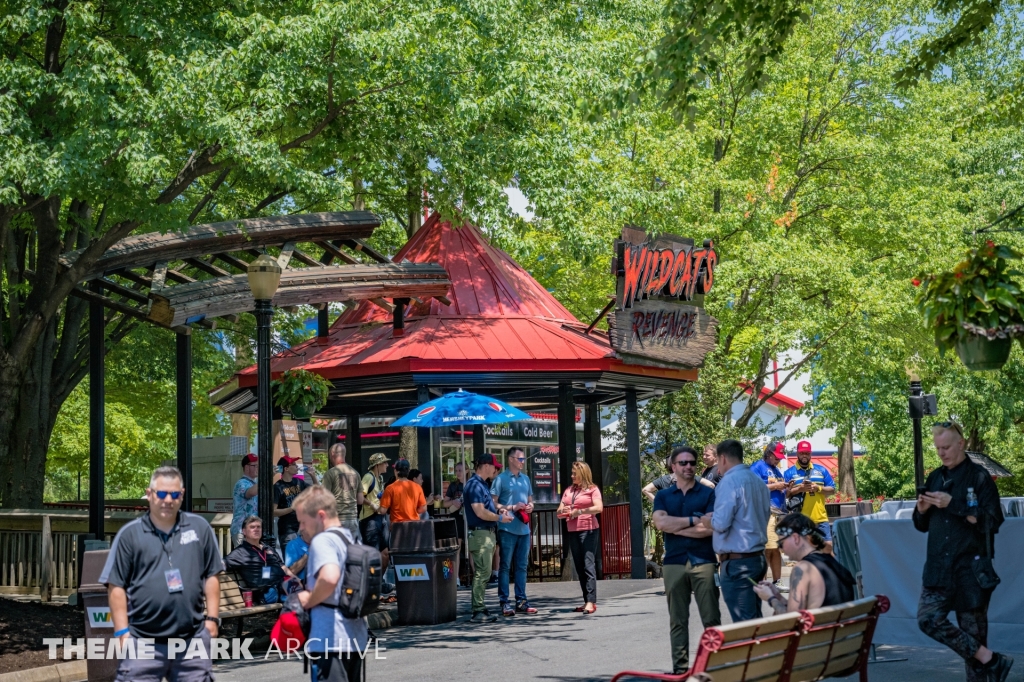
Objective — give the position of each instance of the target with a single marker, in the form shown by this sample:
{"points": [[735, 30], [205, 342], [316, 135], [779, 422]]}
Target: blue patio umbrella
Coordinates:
{"points": [[458, 409]]}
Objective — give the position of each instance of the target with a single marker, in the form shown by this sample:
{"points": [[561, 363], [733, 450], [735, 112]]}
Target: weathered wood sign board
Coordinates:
{"points": [[658, 319]]}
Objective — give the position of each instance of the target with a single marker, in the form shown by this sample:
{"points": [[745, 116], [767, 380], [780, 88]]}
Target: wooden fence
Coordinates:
{"points": [[39, 548]]}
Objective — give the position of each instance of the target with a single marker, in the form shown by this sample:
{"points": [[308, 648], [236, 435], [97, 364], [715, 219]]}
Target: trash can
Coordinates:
{"points": [[98, 622], [423, 554]]}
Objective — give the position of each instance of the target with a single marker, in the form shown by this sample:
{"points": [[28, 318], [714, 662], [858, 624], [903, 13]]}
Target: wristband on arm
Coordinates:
{"points": [[123, 631]]}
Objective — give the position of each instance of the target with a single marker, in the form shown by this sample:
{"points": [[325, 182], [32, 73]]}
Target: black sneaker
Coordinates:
{"points": [[477, 617], [999, 667], [507, 610], [489, 617]]}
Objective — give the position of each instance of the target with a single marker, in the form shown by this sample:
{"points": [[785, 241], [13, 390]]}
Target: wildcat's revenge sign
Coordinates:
{"points": [[659, 316]]}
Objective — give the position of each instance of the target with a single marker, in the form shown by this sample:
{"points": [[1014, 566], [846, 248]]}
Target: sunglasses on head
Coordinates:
{"points": [[162, 494], [950, 425]]}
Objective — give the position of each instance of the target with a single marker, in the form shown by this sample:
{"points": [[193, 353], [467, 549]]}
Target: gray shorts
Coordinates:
{"points": [[177, 669]]}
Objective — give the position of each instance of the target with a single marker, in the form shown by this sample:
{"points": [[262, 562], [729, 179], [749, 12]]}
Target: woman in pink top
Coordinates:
{"points": [[581, 502]]}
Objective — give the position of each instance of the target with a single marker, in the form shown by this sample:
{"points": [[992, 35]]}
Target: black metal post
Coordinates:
{"points": [[566, 436], [97, 398], [354, 444], [915, 418], [264, 313], [323, 327], [423, 451], [638, 563], [479, 444], [183, 365], [592, 443]]}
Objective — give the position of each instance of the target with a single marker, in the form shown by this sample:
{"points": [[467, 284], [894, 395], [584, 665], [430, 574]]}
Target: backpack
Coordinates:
{"points": [[362, 580]]}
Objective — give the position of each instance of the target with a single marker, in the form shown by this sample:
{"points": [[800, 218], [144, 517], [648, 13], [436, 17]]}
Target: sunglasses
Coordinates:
{"points": [[687, 462], [784, 533], [951, 425], [520, 459], [162, 494]]}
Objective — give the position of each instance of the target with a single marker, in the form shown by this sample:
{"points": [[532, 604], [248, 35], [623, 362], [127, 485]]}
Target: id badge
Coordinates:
{"points": [[266, 572], [173, 578]]}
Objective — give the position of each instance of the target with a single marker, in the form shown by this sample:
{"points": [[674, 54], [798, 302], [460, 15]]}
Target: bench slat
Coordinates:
{"points": [[763, 669], [775, 647], [831, 614], [762, 627]]}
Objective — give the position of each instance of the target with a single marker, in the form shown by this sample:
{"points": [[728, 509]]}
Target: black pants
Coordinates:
{"points": [[933, 619], [338, 667], [583, 544]]}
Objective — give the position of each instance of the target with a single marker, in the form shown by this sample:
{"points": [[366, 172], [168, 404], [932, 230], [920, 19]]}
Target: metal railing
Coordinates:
{"points": [[545, 546], [616, 550]]}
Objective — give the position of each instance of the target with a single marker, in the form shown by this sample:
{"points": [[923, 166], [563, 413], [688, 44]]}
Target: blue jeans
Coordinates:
{"points": [[515, 550], [738, 591]]}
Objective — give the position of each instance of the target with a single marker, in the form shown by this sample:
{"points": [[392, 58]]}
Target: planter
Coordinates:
{"points": [[305, 409], [979, 353]]}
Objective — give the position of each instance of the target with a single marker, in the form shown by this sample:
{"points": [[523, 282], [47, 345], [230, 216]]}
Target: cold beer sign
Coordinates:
{"points": [[660, 283]]}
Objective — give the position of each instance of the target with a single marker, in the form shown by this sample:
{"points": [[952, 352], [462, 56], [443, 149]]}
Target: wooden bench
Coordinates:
{"points": [[834, 641], [232, 605]]}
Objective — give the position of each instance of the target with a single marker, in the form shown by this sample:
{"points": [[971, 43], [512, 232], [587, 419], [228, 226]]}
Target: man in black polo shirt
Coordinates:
{"points": [[689, 566], [257, 564], [164, 564]]}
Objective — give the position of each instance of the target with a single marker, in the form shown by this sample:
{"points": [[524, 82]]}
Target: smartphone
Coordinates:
{"points": [[921, 490]]}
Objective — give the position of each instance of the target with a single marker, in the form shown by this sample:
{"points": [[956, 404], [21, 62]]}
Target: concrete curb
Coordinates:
{"points": [[70, 671]]}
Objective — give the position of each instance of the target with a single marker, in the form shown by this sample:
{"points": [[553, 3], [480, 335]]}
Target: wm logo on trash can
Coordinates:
{"points": [[99, 617], [412, 572]]}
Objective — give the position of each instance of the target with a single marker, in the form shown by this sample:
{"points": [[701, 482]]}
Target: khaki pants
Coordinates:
{"points": [[682, 581], [481, 548]]}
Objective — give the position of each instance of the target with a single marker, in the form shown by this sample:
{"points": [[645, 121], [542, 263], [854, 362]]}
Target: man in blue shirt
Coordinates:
{"points": [[513, 492], [689, 565], [740, 522], [482, 518], [768, 469]]}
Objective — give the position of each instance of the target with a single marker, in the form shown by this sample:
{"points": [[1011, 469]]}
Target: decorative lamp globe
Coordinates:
{"points": [[264, 277]]}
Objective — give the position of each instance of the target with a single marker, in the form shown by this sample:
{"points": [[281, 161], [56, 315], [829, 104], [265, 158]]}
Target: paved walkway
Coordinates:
{"points": [[629, 631]]}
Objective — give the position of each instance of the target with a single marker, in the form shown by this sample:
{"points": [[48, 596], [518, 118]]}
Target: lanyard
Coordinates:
{"points": [[262, 555], [164, 538]]}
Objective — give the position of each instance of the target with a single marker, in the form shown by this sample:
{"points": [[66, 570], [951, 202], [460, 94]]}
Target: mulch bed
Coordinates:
{"points": [[24, 624]]}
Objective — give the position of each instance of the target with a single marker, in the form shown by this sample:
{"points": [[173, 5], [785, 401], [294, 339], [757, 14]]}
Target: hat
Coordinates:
{"points": [[776, 448], [487, 458], [803, 446], [378, 458], [286, 461], [402, 465], [249, 459]]}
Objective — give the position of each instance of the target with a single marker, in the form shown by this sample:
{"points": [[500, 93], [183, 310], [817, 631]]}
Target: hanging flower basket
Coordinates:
{"points": [[976, 307], [979, 353], [300, 392]]}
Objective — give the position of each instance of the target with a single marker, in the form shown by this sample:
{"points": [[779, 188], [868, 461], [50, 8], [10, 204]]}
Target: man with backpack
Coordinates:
{"points": [[337, 633]]}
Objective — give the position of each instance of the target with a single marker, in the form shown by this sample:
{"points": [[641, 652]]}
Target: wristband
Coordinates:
{"points": [[691, 521], [123, 631]]}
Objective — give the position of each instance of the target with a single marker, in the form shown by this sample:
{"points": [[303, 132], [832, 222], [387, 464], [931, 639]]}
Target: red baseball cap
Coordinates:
{"points": [[250, 459], [803, 446], [286, 460], [487, 458]]}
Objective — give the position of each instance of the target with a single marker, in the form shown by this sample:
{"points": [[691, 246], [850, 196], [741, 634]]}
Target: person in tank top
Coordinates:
{"points": [[817, 579]]}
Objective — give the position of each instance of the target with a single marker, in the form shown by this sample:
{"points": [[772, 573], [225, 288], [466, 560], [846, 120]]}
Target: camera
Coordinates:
{"points": [[590, 386]]}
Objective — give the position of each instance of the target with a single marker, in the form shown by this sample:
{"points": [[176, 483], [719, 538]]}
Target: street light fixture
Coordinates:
{"points": [[264, 277]]}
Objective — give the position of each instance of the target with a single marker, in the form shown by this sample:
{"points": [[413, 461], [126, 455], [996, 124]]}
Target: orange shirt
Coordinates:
{"points": [[403, 498]]}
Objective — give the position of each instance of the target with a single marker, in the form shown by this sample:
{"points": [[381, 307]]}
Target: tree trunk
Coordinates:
{"points": [[847, 478], [407, 448]]}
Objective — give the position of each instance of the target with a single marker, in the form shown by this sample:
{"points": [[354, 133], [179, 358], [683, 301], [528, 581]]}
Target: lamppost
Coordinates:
{"points": [[264, 277]]}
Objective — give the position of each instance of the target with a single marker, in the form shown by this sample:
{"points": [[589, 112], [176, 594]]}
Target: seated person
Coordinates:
{"points": [[817, 580], [258, 565]]}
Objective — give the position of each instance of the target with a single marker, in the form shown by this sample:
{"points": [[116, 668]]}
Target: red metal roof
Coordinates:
{"points": [[500, 320]]}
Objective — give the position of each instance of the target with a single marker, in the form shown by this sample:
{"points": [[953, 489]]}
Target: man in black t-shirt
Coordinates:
{"points": [[710, 457], [286, 490]]}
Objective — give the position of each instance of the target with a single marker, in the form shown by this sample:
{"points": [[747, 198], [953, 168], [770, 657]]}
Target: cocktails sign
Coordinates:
{"points": [[660, 285]]}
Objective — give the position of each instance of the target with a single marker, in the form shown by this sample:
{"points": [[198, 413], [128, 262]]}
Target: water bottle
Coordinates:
{"points": [[972, 503]]}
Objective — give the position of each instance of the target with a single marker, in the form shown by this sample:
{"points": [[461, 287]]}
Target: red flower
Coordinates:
{"points": [[916, 282], [990, 243]]}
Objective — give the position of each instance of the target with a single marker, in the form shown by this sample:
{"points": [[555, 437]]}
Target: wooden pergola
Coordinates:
{"points": [[197, 277]]}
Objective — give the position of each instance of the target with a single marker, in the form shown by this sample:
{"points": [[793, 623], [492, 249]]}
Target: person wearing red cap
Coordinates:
{"points": [[768, 469], [807, 485], [286, 489], [243, 498]]}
